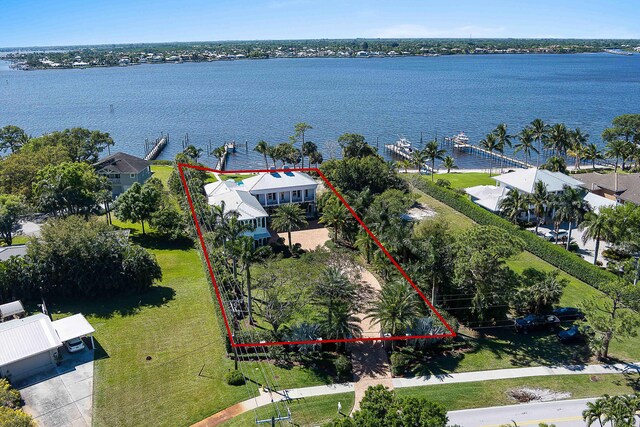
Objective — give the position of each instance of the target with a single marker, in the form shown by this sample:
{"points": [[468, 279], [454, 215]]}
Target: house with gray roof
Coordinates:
{"points": [[618, 187], [123, 170]]}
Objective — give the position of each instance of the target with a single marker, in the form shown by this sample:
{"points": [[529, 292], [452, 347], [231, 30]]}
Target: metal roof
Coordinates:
{"points": [[75, 326], [525, 180], [23, 338], [11, 309], [278, 181]]}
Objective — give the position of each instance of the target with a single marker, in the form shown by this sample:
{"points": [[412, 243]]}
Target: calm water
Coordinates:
{"points": [[379, 98]]}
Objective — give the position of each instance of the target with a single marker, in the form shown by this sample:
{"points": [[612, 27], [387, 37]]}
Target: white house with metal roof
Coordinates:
{"points": [[525, 179], [31, 344], [255, 196]]}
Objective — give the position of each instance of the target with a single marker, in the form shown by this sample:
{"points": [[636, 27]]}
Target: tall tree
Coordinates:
{"points": [[504, 139], [577, 145], [596, 226], [250, 254], [287, 218], [558, 138], [571, 207], [335, 215], [540, 290], [612, 316], [308, 148], [68, 189], [539, 200], [193, 152], [12, 138], [526, 143], [449, 163], [82, 145], [418, 159], [592, 154], [354, 145], [513, 204], [395, 308], [490, 143], [11, 209], [615, 149], [540, 132], [262, 147], [432, 152], [138, 203]]}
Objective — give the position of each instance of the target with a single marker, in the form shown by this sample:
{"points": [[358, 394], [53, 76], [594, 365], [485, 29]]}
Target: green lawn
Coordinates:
{"points": [[465, 180], [493, 393], [19, 239], [313, 411], [501, 348], [162, 172]]}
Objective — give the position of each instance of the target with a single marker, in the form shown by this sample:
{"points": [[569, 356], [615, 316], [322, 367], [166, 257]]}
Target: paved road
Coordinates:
{"points": [[565, 413]]}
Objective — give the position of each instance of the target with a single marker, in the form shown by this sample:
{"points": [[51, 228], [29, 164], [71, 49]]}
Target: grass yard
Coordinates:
{"points": [[313, 411], [20, 239], [493, 393], [162, 172], [466, 180], [501, 348]]}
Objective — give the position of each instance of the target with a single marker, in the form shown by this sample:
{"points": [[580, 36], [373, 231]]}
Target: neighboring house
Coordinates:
{"points": [[620, 188], [487, 196], [11, 310], [7, 252], [122, 170], [253, 198], [31, 345], [524, 180]]}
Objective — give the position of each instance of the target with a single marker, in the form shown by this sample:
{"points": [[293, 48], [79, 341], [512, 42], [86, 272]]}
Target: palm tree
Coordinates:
{"points": [[337, 294], [540, 200], [596, 226], [335, 215], [558, 138], [615, 149], [262, 147], [555, 164], [418, 159], [578, 145], [432, 151], [395, 309], [595, 411], [405, 164], [308, 148], [490, 143], [513, 204], [249, 253], [365, 244], [592, 153], [449, 163], [504, 139], [287, 218], [315, 158], [300, 129], [540, 131], [274, 153], [525, 143], [571, 207]]}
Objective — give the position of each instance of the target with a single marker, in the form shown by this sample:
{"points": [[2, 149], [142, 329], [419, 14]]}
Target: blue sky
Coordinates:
{"points": [[63, 22]]}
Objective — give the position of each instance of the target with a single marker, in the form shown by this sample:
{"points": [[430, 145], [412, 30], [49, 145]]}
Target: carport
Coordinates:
{"points": [[75, 326]]}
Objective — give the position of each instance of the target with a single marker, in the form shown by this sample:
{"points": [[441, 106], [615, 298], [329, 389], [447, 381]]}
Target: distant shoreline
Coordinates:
{"points": [[15, 64]]}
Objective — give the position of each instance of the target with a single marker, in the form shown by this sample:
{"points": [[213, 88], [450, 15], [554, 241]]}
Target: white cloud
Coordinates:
{"points": [[420, 31]]}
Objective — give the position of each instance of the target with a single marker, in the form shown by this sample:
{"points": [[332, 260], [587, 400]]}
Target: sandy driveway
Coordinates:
{"points": [[309, 238]]}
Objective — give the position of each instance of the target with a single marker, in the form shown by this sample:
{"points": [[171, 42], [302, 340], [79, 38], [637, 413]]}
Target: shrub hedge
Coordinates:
{"points": [[551, 253]]}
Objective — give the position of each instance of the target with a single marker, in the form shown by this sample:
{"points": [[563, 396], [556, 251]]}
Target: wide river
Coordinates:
{"points": [[380, 98]]}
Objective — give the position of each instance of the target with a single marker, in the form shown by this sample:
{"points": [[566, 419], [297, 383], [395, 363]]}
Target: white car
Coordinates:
{"points": [[74, 345], [551, 235]]}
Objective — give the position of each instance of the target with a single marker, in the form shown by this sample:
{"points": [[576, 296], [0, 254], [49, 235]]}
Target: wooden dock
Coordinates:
{"points": [[479, 151], [402, 153], [152, 151], [229, 147]]}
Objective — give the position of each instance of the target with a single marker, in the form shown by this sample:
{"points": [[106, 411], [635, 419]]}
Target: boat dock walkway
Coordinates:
{"points": [[404, 154], [473, 149], [152, 151]]}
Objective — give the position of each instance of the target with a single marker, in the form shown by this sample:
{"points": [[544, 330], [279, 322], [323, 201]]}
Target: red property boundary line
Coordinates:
{"points": [[182, 166]]}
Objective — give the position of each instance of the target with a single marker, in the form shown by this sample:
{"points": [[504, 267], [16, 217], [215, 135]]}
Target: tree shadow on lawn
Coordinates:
{"points": [[160, 242], [107, 307], [503, 348]]}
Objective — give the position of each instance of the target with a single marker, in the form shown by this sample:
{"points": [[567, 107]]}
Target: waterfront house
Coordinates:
{"points": [[257, 196], [122, 170], [525, 179], [620, 188]]}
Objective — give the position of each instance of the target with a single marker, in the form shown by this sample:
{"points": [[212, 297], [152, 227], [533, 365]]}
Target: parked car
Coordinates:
{"points": [[74, 345], [534, 322], [571, 335], [561, 234], [568, 313]]}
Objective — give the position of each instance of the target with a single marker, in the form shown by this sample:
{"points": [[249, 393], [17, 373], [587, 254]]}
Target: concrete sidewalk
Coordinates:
{"points": [[464, 377]]}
